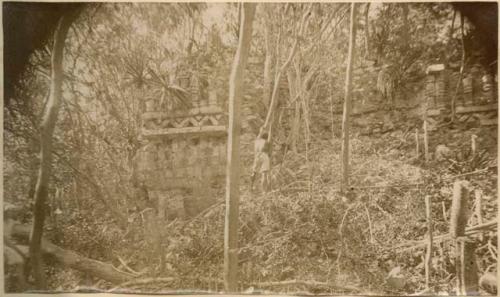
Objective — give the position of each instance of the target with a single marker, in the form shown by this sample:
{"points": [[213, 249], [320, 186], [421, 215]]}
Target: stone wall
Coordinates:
{"points": [[183, 154], [475, 106], [475, 97]]}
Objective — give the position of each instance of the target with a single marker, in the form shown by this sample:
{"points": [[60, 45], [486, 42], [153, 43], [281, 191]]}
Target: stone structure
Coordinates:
{"points": [[435, 86], [475, 105], [183, 151]]}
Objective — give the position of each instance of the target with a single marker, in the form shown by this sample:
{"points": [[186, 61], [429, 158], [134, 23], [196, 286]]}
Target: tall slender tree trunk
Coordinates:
{"points": [[406, 24], [268, 76], [282, 69], [347, 102], [461, 73], [295, 130], [46, 130], [367, 31], [233, 151]]}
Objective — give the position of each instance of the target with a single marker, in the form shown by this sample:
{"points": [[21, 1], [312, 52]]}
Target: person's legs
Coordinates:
{"points": [[255, 168], [264, 171], [265, 181]]}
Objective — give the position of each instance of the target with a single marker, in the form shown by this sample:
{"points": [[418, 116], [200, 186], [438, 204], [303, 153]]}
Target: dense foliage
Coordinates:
{"points": [[119, 56]]}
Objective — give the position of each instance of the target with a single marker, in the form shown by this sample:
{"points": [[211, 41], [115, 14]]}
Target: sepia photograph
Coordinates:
{"points": [[297, 148]]}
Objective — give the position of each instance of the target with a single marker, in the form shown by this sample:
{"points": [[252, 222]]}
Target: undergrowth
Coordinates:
{"points": [[305, 229]]}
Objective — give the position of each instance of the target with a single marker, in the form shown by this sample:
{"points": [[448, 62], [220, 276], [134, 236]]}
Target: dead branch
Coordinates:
{"points": [[466, 174], [343, 218], [369, 223], [124, 264], [415, 244]]}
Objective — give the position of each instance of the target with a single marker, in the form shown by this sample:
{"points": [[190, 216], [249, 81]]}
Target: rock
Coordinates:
{"points": [[489, 283], [435, 68], [394, 153], [395, 279], [442, 152]]}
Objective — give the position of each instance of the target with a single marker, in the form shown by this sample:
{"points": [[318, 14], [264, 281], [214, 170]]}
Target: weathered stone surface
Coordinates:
{"points": [[433, 112], [435, 68], [476, 108], [184, 150]]}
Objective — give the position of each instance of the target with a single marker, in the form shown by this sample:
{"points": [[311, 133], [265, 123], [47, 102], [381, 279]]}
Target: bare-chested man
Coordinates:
{"points": [[262, 163]]}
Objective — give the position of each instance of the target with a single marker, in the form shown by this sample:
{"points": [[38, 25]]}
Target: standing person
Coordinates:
{"points": [[262, 162]]}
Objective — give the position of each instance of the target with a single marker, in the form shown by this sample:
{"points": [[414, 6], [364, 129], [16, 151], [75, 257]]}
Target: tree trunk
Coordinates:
{"points": [[465, 259], [426, 139], [428, 254], [367, 31], [295, 129], [417, 144], [73, 260], [274, 96], [268, 76], [458, 212], [406, 25], [461, 73], [347, 101], [233, 152], [46, 130]]}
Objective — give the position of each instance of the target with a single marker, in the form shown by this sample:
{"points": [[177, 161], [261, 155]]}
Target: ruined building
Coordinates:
{"points": [[183, 147]]}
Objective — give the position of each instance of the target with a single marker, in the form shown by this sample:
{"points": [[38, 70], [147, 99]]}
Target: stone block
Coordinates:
{"points": [[436, 68], [476, 108], [434, 112]]}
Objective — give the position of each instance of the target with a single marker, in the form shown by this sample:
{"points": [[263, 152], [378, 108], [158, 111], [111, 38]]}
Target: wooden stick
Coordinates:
{"points": [[428, 255], [443, 207], [468, 173], [343, 219], [473, 144], [369, 223], [417, 143], [478, 211], [124, 265], [426, 141]]}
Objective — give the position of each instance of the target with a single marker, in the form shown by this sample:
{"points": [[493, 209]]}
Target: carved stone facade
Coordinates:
{"points": [[183, 152], [475, 103]]}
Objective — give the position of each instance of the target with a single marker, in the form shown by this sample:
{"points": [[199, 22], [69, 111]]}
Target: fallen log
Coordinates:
{"points": [[73, 260]]}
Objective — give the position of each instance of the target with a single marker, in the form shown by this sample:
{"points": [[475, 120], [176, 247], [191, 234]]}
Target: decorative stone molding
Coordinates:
{"points": [[183, 152]]}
